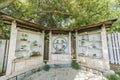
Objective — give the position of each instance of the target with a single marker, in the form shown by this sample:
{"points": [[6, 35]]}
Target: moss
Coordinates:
{"points": [[75, 65], [46, 67], [35, 55]]}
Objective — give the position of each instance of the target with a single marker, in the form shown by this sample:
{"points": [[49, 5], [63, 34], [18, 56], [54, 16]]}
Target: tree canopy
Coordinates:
{"points": [[5, 3], [64, 13]]}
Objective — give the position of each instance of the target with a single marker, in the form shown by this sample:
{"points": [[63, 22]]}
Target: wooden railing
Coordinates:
{"points": [[114, 48], [4, 48]]}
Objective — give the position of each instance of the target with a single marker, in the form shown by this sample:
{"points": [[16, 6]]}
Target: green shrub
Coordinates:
{"points": [[113, 77], [118, 73], [75, 65], [46, 67]]}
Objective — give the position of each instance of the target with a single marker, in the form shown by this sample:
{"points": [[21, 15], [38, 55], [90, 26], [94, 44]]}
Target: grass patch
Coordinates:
{"points": [[118, 73], [115, 76]]}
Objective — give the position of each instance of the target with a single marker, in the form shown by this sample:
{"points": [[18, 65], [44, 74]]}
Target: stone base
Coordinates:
{"points": [[98, 64], [106, 73]]}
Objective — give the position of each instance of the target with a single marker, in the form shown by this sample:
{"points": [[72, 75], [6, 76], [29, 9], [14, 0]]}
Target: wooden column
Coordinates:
{"points": [[50, 42], [70, 44], [105, 47], [12, 47], [76, 39], [43, 33], [104, 43]]}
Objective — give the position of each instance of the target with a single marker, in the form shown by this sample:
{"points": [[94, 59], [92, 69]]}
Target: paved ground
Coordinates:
{"points": [[65, 74]]}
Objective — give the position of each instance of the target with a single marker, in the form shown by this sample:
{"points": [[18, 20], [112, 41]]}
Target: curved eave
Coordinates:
{"points": [[96, 26], [30, 25], [20, 22]]}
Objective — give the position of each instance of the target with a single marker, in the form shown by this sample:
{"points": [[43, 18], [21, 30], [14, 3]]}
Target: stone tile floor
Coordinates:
{"points": [[65, 74]]}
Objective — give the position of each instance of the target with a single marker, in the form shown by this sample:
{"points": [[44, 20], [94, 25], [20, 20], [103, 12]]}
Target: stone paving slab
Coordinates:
{"points": [[65, 74]]}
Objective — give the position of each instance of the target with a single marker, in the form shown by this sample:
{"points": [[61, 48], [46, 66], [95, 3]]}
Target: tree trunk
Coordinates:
{"points": [[6, 3]]}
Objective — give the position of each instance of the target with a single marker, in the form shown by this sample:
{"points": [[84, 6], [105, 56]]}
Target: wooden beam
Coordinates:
{"points": [[23, 26], [23, 22], [31, 25], [96, 26]]}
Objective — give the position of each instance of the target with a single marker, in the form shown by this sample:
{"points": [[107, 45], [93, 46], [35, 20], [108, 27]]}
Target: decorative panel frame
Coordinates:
{"points": [[59, 48], [91, 49], [29, 49], [21, 50]]}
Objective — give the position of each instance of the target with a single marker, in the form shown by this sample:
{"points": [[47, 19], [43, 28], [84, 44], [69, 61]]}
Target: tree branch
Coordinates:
{"points": [[6, 3], [57, 12]]}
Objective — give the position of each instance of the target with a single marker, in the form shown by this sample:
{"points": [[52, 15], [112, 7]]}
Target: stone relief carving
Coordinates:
{"points": [[59, 45]]}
